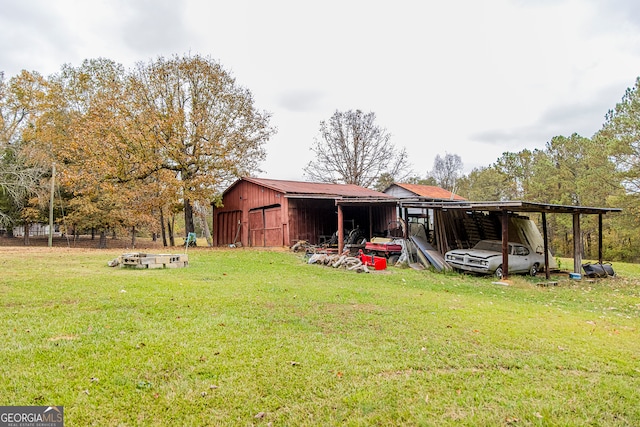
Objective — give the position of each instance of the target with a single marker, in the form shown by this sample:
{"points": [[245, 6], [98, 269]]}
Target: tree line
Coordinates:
{"points": [[600, 171], [132, 149]]}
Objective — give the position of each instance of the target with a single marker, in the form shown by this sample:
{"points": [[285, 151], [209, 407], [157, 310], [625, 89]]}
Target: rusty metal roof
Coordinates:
{"points": [[509, 206], [316, 189], [430, 192]]}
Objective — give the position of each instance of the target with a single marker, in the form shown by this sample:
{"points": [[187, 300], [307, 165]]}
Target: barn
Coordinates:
{"points": [[424, 192], [260, 212]]}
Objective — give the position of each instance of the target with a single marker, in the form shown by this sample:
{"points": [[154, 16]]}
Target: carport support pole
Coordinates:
{"points": [[370, 224], [577, 243], [545, 239], [340, 230], [600, 238], [505, 244]]}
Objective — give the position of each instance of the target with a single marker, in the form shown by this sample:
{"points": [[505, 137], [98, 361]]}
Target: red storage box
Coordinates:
{"points": [[378, 262]]}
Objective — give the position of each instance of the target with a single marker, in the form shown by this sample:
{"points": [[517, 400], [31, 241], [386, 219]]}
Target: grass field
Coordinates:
{"points": [[244, 337]]}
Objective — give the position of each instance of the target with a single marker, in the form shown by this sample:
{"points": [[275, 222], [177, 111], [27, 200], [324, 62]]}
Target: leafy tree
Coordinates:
{"points": [[202, 127], [19, 177], [484, 184], [518, 168], [353, 149], [446, 170], [429, 180], [620, 134], [383, 182]]}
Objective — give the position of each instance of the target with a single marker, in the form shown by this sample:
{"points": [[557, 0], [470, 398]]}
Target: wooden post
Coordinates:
{"points": [[600, 238], [370, 223], [406, 223], [545, 238], [577, 243], [505, 244], [340, 230]]}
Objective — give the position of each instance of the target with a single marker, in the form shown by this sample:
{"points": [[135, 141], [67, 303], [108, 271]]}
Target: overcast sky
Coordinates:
{"points": [[467, 77]]}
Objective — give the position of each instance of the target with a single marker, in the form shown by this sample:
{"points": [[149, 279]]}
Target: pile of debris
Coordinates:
{"points": [[142, 260], [350, 263]]}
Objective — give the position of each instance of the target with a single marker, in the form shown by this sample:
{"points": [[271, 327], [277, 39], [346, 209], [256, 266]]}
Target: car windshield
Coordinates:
{"points": [[486, 245]]}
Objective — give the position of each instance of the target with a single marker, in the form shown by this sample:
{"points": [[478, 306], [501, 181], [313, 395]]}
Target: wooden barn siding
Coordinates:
{"points": [[302, 219], [243, 197], [309, 219], [373, 225], [226, 227]]}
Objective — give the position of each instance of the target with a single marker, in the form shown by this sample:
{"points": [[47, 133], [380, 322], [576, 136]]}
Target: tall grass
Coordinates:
{"points": [[245, 337]]}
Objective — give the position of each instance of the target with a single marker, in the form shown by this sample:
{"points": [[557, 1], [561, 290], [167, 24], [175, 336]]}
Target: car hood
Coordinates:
{"points": [[476, 253]]}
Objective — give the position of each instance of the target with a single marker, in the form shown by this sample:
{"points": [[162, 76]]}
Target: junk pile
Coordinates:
{"points": [[350, 263], [142, 260]]}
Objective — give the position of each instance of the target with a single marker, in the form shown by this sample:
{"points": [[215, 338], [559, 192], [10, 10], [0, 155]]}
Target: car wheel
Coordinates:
{"points": [[498, 272], [534, 270]]}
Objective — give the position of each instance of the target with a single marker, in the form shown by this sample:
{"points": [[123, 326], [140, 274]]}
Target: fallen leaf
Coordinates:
{"points": [[538, 415], [259, 415]]}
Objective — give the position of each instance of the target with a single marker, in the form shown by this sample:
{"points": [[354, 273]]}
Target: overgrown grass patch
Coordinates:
{"points": [[245, 337]]}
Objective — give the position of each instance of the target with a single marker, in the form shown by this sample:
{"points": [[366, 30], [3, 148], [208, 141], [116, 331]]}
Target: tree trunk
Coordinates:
{"points": [[133, 236], [189, 226], [162, 229], [170, 224], [27, 231], [93, 233], [102, 243], [201, 211]]}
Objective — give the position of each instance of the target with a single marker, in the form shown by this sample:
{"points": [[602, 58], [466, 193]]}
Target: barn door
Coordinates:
{"points": [[229, 227], [265, 227]]}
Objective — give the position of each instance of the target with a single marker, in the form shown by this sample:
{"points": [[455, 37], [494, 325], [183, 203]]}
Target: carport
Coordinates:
{"points": [[504, 209]]}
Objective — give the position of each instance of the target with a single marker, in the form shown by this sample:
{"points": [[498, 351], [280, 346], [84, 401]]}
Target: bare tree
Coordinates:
{"points": [[446, 170], [352, 149]]}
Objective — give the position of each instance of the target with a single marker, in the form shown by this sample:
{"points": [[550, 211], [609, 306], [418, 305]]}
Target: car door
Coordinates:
{"points": [[519, 259]]}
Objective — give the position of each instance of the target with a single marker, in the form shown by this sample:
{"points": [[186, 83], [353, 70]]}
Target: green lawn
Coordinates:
{"points": [[245, 337]]}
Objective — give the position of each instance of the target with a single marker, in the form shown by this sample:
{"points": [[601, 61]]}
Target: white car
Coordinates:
{"points": [[486, 257]]}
